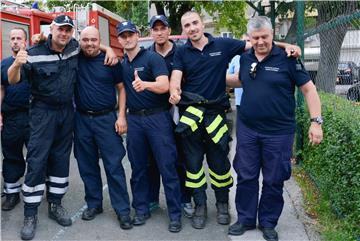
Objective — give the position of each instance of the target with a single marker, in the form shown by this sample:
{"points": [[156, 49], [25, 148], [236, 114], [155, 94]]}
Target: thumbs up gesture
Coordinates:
{"points": [[38, 38], [21, 56], [138, 84]]}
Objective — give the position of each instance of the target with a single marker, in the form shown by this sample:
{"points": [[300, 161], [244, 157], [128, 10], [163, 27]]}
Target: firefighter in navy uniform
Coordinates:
{"points": [[202, 124], [203, 61], [15, 131], [97, 129], [51, 70], [145, 77], [160, 32]]}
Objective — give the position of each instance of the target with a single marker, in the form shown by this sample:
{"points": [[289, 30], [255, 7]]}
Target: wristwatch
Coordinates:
{"points": [[319, 120]]}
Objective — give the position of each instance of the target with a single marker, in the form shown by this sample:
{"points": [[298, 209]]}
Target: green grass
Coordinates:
{"points": [[318, 207]]}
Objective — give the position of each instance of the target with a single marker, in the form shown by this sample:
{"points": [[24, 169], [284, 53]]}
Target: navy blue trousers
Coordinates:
{"points": [[93, 135], [14, 135], [48, 156], [154, 176], [153, 133], [271, 154]]}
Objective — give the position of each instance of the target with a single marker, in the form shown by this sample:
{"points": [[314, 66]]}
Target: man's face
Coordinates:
{"points": [[90, 42], [61, 35], [261, 40], [193, 26], [128, 40], [17, 40], [160, 33]]}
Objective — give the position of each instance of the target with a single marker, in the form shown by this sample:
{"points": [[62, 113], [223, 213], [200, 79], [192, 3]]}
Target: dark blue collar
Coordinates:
{"points": [[172, 51], [188, 43], [142, 50]]}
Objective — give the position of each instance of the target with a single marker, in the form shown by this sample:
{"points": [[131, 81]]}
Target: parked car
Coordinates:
{"points": [[353, 93], [348, 73]]}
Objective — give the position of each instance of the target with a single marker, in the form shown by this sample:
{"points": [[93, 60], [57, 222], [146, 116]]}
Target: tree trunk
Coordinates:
{"points": [[331, 41]]}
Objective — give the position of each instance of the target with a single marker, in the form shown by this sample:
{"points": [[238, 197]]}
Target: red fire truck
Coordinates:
{"points": [[35, 21]]}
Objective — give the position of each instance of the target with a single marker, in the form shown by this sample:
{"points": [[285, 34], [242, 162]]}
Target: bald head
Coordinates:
{"points": [[90, 41]]}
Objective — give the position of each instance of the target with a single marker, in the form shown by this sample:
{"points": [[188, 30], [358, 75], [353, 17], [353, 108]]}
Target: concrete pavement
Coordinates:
{"points": [[106, 227]]}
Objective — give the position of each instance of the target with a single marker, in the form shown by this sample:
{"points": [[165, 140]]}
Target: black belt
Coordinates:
{"points": [[146, 112], [95, 113]]}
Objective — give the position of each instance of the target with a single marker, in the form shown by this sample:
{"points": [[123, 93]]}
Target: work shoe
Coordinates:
{"points": [[90, 213], [11, 200], [28, 230], [198, 220], [188, 209], [223, 216], [125, 222], [140, 219], [175, 226], [269, 234], [59, 214], [239, 229]]}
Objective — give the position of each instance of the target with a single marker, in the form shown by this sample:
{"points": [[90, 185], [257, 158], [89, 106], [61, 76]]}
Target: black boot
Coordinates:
{"points": [[28, 230], [11, 200], [200, 215], [59, 214], [223, 216]]}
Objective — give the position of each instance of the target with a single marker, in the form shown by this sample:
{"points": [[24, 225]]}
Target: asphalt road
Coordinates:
{"points": [[106, 227]]}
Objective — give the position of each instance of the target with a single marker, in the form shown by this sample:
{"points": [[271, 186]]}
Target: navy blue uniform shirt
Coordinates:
{"points": [[205, 71], [268, 102], [169, 58], [16, 96], [95, 86], [149, 66], [51, 74]]}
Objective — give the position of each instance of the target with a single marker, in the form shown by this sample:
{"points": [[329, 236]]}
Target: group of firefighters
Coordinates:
{"points": [[171, 104]]}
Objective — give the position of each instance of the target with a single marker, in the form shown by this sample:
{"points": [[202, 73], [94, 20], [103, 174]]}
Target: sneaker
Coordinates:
{"points": [[153, 206], [188, 209], [11, 200], [28, 230], [59, 214], [175, 226]]}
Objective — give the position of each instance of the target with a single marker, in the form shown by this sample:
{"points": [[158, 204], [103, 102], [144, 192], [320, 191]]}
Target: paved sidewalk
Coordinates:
{"points": [[106, 226]]}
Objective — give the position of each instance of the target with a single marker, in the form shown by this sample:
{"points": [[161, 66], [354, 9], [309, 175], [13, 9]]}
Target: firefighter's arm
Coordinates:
{"points": [[232, 80], [110, 58], [2, 94], [121, 123], [159, 86], [314, 105], [175, 86], [14, 71]]}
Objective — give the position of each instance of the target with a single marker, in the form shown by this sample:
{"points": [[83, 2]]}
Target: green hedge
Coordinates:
{"points": [[335, 163]]}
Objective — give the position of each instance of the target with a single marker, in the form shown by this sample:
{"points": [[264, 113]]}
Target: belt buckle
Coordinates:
{"points": [[142, 112], [90, 112]]}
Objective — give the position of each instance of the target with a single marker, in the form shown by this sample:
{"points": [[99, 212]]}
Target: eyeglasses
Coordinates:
{"points": [[252, 71]]}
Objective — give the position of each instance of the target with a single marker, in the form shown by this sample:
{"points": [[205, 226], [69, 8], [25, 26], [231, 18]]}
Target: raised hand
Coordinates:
{"points": [[38, 38], [138, 84], [21, 56]]}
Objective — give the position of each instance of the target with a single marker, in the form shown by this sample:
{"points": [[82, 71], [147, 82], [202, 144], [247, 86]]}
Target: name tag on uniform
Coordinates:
{"points": [[273, 69], [215, 53], [139, 69]]}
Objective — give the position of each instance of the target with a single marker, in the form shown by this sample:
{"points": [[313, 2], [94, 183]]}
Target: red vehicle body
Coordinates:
{"points": [[35, 21]]}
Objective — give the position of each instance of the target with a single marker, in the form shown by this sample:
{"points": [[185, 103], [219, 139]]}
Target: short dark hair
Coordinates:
{"points": [[23, 30]]}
